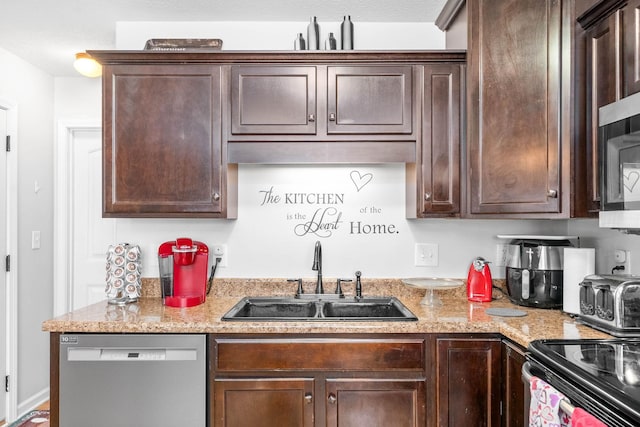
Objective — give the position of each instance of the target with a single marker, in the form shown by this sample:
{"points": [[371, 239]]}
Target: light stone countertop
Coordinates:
{"points": [[456, 315]]}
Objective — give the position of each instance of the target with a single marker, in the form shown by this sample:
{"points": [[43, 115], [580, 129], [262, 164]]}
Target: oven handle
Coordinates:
{"points": [[565, 404]]}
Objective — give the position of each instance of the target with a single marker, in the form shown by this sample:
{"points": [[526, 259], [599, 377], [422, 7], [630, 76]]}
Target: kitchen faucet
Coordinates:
{"points": [[317, 266]]}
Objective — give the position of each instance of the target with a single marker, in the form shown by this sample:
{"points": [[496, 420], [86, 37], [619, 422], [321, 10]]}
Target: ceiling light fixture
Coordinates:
{"points": [[86, 65]]}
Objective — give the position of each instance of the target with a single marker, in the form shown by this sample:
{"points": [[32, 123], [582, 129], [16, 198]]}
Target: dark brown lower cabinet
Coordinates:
{"points": [[383, 403], [277, 402], [468, 377], [513, 405], [306, 380]]}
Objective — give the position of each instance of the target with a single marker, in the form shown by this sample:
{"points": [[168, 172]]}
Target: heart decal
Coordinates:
{"points": [[360, 180], [630, 180]]}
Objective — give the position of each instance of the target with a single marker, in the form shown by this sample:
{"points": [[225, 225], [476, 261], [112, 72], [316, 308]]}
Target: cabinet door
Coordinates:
{"points": [[514, 126], [273, 100], [265, 402], [375, 402], [631, 16], [604, 85], [440, 148], [514, 388], [369, 100], [468, 376], [162, 141]]}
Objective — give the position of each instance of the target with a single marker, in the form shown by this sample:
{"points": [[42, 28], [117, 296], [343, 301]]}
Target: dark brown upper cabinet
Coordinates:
{"points": [[518, 152], [176, 124], [273, 100], [631, 32], [370, 100], [326, 102], [162, 151], [437, 174], [612, 71]]}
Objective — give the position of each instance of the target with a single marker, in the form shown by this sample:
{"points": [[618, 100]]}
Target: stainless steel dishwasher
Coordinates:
{"points": [[132, 380]]}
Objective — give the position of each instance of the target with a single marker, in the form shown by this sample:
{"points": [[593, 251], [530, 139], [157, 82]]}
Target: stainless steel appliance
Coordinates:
{"points": [[132, 380], [600, 376], [534, 270], [611, 303], [619, 163]]}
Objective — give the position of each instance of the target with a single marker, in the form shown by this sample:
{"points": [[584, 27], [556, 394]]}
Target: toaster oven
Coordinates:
{"points": [[611, 303]]}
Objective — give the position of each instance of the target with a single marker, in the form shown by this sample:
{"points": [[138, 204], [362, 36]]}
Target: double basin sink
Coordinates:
{"points": [[319, 309]]}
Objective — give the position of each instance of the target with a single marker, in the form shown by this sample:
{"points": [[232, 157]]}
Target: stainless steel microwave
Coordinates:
{"points": [[619, 164]]}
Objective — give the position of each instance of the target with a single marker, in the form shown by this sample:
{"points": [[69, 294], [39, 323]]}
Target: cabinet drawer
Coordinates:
{"points": [[319, 354]]}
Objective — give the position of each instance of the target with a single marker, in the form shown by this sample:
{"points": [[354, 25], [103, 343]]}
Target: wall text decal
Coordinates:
{"points": [[325, 208]]}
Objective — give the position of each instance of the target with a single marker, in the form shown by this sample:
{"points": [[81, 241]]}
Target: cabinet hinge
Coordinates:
{"points": [[8, 148], [7, 263], [6, 383]]}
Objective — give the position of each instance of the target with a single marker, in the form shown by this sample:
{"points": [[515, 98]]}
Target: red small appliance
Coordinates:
{"points": [[183, 272], [479, 282]]}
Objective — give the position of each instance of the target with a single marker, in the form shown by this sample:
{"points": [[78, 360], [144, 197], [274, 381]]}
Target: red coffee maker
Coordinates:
{"points": [[183, 272]]}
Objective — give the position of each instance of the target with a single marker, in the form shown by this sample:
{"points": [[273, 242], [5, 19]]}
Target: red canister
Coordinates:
{"points": [[479, 282]]}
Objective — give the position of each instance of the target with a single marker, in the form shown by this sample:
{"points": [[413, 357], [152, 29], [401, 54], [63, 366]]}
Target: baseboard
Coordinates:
{"points": [[33, 402]]}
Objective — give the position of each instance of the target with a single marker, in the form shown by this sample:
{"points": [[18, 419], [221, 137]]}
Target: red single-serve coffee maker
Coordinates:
{"points": [[183, 272]]}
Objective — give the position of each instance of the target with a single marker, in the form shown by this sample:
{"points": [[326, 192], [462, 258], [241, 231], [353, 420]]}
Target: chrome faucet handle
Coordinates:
{"points": [[358, 285], [339, 287], [300, 291]]}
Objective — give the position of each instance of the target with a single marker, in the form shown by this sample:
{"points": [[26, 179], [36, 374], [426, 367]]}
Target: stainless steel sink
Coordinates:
{"points": [[371, 308], [272, 309]]}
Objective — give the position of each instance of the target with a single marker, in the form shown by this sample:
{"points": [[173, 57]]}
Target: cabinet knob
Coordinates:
{"points": [[216, 196], [308, 398], [312, 117], [332, 398], [427, 197], [552, 194], [332, 117]]}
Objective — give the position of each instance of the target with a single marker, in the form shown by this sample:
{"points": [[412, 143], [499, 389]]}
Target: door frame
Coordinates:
{"points": [[11, 404], [62, 216]]}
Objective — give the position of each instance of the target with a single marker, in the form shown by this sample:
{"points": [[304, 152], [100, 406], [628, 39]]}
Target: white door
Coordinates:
{"points": [[91, 234], [3, 252]]}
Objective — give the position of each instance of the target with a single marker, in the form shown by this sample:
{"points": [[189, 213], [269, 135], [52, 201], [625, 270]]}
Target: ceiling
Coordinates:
{"points": [[49, 33]]}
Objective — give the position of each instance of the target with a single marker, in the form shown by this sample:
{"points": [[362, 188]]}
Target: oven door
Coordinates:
{"points": [[585, 372]]}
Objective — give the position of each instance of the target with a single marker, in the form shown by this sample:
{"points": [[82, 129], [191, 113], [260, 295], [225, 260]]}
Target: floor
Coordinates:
{"points": [[42, 407]]}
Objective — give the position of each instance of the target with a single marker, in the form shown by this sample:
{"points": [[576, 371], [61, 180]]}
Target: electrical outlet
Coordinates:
{"points": [[502, 252], [426, 255], [622, 258], [220, 251]]}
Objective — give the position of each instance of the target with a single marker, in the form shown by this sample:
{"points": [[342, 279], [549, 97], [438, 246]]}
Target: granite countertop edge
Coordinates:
{"points": [[456, 315]]}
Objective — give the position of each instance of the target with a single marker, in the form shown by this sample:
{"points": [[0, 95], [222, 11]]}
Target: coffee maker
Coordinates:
{"points": [[535, 270], [183, 272]]}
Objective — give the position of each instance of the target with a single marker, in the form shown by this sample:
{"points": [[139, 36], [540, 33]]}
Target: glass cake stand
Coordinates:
{"points": [[431, 284]]}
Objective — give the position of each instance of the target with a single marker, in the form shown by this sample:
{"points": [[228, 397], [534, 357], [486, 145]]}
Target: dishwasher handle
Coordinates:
{"points": [[113, 354]]}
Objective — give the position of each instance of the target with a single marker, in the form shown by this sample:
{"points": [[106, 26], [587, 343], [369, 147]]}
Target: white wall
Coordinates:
{"points": [[32, 91], [261, 242], [281, 35]]}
